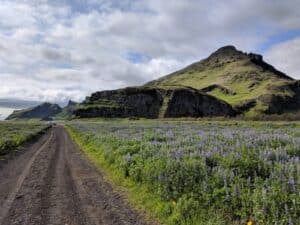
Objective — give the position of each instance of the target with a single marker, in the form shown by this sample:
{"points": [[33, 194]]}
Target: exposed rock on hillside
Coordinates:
{"points": [[128, 102], [153, 103], [280, 102], [191, 103]]}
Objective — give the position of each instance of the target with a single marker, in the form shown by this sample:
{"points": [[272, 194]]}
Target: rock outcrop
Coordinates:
{"points": [[128, 102], [280, 102], [192, 103], [149, 103]]}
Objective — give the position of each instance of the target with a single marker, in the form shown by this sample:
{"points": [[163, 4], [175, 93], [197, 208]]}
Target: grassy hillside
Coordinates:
{"points": [[42, 111], [45, 111], [67, 111], [236, 77]]}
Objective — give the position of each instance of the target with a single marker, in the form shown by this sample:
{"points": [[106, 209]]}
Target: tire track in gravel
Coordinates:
{"points": [[102, 204], [12, 195], [27, 202], [60, 202]]}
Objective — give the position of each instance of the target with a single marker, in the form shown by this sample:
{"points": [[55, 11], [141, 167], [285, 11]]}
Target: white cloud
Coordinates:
{"points": [[56, 50], [286, 57]]}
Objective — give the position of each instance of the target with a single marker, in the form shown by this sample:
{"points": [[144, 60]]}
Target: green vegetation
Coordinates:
{"points": [[67, 112], [14, 134], [233, 76], [45, 111], [200, 173], [164, 107], [246, 75]]}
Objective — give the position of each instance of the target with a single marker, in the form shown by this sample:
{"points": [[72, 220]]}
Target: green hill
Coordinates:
{"points": [[241, 79], [67, 111], [45, 111]]}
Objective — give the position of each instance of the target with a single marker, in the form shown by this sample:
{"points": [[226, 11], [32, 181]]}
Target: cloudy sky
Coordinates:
{"points": [[55, 50]]}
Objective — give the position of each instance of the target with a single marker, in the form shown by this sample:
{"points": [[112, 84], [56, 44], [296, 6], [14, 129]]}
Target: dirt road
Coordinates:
{"points": [[53, 183]]}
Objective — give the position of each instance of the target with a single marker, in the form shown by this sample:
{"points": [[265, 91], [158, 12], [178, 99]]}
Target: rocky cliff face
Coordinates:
{"points": [[128, 102], [191, 103], [153, 103], [280, 102]]}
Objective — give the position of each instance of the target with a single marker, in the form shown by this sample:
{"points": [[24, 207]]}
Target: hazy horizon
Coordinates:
{"points": [[7, 106], [5, 112]]}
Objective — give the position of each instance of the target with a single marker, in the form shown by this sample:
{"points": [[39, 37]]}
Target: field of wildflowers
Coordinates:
{"points": [[13, 134], [203, 173]]}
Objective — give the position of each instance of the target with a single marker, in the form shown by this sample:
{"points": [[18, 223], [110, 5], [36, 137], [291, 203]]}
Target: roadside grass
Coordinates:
{"points": [[13, 134], [199, 173], [138, 196]]}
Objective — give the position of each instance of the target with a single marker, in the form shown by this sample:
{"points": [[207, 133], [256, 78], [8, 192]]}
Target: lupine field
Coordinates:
{"points": [[13, 134], [204, 173]]}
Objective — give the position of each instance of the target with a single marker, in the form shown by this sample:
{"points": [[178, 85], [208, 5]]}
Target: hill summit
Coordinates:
{"points": [[243, 80]]}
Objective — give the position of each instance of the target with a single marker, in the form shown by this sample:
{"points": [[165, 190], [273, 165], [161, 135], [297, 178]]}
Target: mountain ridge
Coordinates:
{"points": [[227, 83], [45, 111]]}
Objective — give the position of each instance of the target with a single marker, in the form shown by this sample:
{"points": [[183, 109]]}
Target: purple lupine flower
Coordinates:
{"points": [[225, 181], [249, 181], [227, 199], [290, 222], [292, 184], [286, 209], [236, 191]]}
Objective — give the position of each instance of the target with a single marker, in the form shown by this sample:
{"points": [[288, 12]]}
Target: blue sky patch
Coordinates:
{"points": [[278, 38], [136, 57]]}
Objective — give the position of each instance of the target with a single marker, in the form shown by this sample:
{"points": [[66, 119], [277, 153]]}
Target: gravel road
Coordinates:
{"points": [[52, 182]]}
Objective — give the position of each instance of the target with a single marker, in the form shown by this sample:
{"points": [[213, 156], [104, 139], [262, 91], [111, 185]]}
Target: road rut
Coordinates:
{"points": [[53, 183]]}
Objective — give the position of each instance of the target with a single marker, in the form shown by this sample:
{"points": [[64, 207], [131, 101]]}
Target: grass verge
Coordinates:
{"points": [[138, 196]]}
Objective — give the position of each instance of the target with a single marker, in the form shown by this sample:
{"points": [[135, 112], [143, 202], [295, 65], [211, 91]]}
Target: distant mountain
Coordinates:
{"points": [[42, 111], [45, 111], [67, 111], [243, 80]]}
